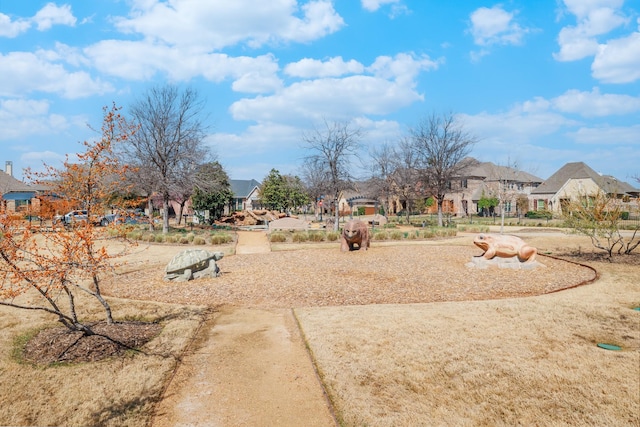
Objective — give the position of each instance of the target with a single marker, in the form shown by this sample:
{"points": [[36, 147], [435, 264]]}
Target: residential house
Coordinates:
{"points": [[574, 180], [479, 179], [246, 195], [15, 195], [486, 179]]}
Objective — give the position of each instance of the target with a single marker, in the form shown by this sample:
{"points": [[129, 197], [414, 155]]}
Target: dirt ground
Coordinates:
{"points": [[247, 367]]}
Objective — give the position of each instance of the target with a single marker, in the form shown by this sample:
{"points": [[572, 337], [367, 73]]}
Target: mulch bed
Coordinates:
{"points": [[326, 277], [63, 345]]}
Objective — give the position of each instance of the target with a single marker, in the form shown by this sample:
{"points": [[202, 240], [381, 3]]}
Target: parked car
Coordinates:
{"points": [[70, 217], [124, 217], [75, 216]]}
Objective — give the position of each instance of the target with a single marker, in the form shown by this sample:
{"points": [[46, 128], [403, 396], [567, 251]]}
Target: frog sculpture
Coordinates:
{"points": [[505, 246]]}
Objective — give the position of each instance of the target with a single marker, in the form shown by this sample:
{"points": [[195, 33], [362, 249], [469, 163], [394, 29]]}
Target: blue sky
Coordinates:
{"points": [[540, 82]]}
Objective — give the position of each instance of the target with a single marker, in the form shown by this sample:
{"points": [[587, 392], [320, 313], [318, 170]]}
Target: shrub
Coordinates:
{"points": [[190, 237], [134, 235], [381, 235], [184, 240], [220, 238], [277, 238], [428, 234], [199, 241], [544, 214], [333, 236], [171, 238], [316, 236], [300, 237], [159, 238], [397, 235]]}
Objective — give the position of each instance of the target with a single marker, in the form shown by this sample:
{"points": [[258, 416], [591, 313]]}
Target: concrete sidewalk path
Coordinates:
{"points": [[247, 367]]}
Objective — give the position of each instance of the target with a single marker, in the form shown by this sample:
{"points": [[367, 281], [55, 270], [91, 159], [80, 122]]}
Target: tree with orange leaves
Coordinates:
{"points": [[46, 271]]}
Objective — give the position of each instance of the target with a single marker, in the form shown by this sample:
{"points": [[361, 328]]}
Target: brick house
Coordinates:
{"points": [[577, 179], [15, 195]]}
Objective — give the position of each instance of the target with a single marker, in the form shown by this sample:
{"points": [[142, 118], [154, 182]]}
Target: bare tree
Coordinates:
{"points": [[598, 215], [315, 180], [507, 182], [169, 140], [333, 148], [142, 180], [406, 177], [441, 144], [382, 167]]}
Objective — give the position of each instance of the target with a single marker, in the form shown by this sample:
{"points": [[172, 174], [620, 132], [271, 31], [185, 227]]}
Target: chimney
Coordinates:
{"points": [[9, 168]]}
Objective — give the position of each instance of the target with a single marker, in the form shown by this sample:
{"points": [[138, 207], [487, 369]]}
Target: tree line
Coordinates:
{"points": [[168, 160]]}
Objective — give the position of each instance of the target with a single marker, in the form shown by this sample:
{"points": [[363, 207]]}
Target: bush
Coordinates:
{"points": [[333, 236], [220, 238], [277, 238], [624, 216], [397, 235], [381, 235], [316, 236], [199, 241], [184, 240], [134, 235], [300, 237], [159, 238], [544, 214]]}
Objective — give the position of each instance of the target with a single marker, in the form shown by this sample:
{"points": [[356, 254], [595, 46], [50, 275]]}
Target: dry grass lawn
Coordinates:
{"points": [[120, 391], [514, 361], [527, 361]]}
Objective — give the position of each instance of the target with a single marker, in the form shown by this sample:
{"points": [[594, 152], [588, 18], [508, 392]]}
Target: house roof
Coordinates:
{"points": [[580, 170], [242, 188], [9, 184], [493, 172]]}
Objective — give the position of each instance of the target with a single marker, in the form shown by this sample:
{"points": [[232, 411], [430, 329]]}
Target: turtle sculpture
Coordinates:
{"points": [[193, 264]]}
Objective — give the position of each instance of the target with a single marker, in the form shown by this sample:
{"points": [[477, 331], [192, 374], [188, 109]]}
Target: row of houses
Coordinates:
{"points": [[482, 179], [485, 179]]}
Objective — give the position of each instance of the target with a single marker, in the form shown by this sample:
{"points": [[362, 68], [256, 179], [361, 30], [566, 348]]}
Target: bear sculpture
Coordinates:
{"points": [[355, 232]]}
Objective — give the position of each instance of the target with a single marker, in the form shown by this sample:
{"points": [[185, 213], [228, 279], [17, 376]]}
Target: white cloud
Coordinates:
{"points": [[403, 67], [52, 14], [21, 118], [44, 19], [490, 26], [333, 67], [9, 28], [607, 135], [391, 86], [591, 104], [517, 125], [618, 61], [594, 18], [26, 72], [582, 8], [141, 61], [215, 24], [373, 5]]}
